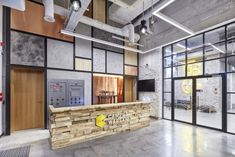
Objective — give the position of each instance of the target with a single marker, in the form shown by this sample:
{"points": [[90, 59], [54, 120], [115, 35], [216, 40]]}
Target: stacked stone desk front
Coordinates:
{"points": [[72, 125]]}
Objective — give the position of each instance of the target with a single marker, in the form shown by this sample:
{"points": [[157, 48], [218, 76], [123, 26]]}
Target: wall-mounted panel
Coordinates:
{"points": [[56, 74], [131, 58], [114, 63], [130, 70], [103, 35], [99, 13], [82, 64], [31, 20], [27, 49], [59, 54], [83, 47], [99, 60]]}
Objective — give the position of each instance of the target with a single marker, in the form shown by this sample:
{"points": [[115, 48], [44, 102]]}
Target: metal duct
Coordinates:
{"points": [[49, 10], [74, 18], [130, 30], [127, 31]]}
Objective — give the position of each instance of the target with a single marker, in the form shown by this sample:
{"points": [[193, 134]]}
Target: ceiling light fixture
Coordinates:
{"points": [[173, 22], [76, 4], [143, 27]]}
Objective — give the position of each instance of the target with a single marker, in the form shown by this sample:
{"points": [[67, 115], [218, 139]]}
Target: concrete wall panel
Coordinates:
{"points": [[98, 60], [114, 63], [59, 54]]}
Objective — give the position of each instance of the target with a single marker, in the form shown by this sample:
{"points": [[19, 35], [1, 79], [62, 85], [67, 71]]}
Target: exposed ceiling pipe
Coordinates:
{"points": [[74, 17], [49, 10], [126, 31], [130, 29], [99, 41]]}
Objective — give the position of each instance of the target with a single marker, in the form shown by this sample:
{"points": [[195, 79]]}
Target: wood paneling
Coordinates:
{"points": [[99, 10], [70, 126], [27, 99], [107, 83], [31, 20], [89, 12], [130, 70], [130, 89]]}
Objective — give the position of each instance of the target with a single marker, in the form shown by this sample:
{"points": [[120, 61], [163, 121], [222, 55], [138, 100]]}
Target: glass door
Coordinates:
{"points": [[209, 102], [183, 100]]}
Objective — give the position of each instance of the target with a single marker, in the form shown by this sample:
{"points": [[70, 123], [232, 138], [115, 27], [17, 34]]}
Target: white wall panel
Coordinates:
{"points": [[59, 54], [98, 60], [55, 74], [114, 63], [83, 47], [152, 71]]}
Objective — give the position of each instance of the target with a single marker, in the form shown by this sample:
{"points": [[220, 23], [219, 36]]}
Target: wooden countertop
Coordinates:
{"points": [[101, 106]]}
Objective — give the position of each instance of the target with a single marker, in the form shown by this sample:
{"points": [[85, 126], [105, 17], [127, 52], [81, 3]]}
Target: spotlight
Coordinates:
{"points": [[143, 27], [76, 4]]}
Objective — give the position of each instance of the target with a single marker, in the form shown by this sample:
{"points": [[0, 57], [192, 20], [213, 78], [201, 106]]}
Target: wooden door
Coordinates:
{"points": [[130, 89], [27, 99]]}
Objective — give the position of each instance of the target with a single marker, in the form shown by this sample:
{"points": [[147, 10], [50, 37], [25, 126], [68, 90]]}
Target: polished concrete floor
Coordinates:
{"points": [[213, 120], [162, 139]]}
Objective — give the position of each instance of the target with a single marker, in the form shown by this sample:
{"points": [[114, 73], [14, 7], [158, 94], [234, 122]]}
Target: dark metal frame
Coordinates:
{"points": [[204, 75], [194, 100], [6, 82]]}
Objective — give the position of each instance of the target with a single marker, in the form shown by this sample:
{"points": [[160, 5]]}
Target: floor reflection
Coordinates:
{"points": [[163, 138]]}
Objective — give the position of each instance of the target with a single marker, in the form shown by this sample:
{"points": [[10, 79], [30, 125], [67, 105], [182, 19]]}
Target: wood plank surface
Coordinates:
{"points": [[27, 99]]}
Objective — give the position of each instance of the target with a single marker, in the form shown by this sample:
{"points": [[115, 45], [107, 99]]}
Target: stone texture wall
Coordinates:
{"points": [[98, 60], [27, 49], [150, 67], [103, 35]]}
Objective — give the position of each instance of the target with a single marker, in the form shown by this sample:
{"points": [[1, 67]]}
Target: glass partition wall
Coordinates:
{"points": [[199, 79]]}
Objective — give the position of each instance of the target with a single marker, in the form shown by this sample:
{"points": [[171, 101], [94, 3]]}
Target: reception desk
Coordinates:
{"points": [[72, 125]]}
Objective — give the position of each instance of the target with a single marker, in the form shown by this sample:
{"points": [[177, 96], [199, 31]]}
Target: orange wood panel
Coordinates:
{"points": [[107, 83], [99, 10], [31, 20], [130, 70], [27, 99], [130, 89], [89, 12]]}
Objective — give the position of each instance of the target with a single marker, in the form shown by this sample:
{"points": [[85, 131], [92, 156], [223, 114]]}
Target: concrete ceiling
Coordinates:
{"points": [[194, 14], [123, 15]]}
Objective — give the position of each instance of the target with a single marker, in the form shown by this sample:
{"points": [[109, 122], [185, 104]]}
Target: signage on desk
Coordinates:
{"points": [[103, 120]]}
